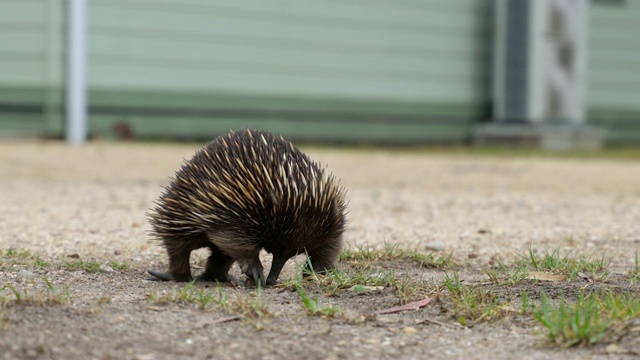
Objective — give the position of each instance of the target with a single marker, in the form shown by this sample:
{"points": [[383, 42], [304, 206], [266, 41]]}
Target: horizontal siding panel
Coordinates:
{"points": [[614, 59], [16, 12], [323, 130], [459, 48], [616, 79], [431, 52], [202, 103], [24, 71], [212, 30], [620, 98], [21, 41], [311, 14], [24, 41], [199, 54], [284, 82], [12, 124], [21, 95], [620, 55]]}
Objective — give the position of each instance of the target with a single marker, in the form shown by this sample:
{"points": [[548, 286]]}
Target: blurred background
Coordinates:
{"points": [[557, 74]]}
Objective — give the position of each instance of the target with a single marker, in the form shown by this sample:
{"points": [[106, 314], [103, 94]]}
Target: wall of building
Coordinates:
{"points": [[614, 70], [342, 70], [31, 69], [352, 70]]}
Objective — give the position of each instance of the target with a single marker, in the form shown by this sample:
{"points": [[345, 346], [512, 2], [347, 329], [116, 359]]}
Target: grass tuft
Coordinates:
{"points": [[12, 295], [471, 304], [634, 273], [90, 266], [589, 319], [502, 274], [567, 263], [118, 266], [21, 257], [190, 294], [312, 306], [366, 255], [572, 324]]}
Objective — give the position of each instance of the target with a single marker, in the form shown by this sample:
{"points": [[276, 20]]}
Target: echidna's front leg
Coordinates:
{"points": [[252, 267], [179, 267], [276, 267]]}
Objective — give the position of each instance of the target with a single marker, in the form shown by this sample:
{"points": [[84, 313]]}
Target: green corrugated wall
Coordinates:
{"points": [[340, 70], [346, 70], [614, 70], [31, 67]]}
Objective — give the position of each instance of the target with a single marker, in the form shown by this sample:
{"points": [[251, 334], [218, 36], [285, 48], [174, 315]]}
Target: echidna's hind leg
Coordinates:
{"points": [[232, 245], [218, 265], [252, 267], [179, 250]]}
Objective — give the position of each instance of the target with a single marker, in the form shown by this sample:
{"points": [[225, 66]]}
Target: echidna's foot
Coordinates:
{"points": [[159, 276], [162, 276], [252, 267]]}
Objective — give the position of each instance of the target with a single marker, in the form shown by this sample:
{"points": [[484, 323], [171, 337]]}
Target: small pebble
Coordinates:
{"points": [[434, 246], [25, 275], [410, 330]]}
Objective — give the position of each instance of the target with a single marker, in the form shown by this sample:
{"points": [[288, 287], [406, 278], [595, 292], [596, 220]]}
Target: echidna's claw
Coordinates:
{"points": [[252, 267], [159, 276]]}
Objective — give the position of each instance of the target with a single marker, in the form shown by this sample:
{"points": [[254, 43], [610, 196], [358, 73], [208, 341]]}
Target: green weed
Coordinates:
{"points": [[90, 266], [54, 296], [572, 324], [567, 264], [118, 266], [634, 273], [470, 304], [366, 255], [312, 306], [503, 274]]}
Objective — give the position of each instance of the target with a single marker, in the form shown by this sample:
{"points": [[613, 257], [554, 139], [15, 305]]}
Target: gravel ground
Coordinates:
{"points": [[89, 202]]}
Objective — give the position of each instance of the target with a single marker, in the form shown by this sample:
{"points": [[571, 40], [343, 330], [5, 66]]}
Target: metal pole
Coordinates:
{"points": [[76, 72]]}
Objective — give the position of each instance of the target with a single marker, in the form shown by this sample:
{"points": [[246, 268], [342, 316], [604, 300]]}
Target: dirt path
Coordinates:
{"points": [[64, 205]]}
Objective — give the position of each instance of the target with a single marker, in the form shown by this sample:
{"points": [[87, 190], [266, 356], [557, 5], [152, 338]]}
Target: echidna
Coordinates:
{"points": [[245, 191]]}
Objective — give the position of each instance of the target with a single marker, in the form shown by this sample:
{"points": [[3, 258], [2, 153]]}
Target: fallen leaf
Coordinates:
{"points": [[546, 276], [615, 349], [406, 307], [156, 308]]}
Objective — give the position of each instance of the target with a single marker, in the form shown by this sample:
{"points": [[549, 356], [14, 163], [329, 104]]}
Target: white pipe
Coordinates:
{"points": [[76, 132]]}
